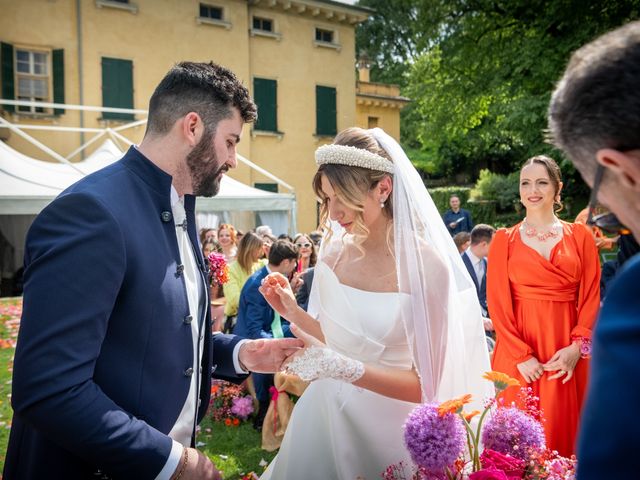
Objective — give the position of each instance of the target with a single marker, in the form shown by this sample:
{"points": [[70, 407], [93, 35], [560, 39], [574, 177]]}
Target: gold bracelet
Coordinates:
{"points": [[184, 464]]}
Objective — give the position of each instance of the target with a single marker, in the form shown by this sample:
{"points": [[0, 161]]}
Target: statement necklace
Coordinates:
{"points": [[532, 232]]}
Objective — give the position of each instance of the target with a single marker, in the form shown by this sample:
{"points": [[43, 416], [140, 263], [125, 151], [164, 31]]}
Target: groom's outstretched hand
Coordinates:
{"points": [[269, 355], [197, 467]]}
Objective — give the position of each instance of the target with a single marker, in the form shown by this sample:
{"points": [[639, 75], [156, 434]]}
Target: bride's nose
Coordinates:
{"points": [[335, 214]]}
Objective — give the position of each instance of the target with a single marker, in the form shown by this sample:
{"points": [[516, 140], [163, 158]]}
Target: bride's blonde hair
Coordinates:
{"points": [[352, 184]]}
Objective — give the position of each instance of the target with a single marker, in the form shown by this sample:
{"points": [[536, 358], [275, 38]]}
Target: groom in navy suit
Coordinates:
{"points": [[256, 318], [594, 117], [115, 354], [475, 259]]}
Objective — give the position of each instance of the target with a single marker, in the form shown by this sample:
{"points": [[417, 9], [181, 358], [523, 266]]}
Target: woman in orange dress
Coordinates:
{"points": [[543, 292]]}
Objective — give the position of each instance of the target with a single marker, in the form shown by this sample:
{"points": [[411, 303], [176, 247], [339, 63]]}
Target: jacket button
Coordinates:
{"points": [[188, 319], [188, 372], [166, 216], [179, 269]]}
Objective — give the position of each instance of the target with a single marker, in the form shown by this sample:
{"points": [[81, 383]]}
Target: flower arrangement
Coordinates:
{"points": [[445, 445], [218, 269], [230, 403]]}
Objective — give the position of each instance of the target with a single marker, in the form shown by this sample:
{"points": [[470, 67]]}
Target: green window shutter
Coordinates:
{"points": [[6, 75], [267, 187], [265, 94], [58, 79], [117, 87], [326, 111]]}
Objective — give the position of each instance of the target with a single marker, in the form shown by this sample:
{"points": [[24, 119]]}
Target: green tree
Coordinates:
{"points": [[480, 72]]}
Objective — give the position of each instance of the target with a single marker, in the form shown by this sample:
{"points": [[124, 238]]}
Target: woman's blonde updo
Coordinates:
{"points": [[352, 184]]}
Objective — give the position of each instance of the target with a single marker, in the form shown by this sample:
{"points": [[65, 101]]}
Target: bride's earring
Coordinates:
{"points": [[382, 202]]}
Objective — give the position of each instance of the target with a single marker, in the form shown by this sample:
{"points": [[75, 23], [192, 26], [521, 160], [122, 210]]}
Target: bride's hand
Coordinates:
{"points": [[276, 290], [316, 361]]}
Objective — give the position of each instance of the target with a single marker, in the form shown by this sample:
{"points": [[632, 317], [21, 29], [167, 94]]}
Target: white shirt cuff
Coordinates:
{"points": [[172, 462], [236, 358]]}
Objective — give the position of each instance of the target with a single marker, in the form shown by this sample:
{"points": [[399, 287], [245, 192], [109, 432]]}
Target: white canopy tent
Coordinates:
{"points": [[27, 185]]}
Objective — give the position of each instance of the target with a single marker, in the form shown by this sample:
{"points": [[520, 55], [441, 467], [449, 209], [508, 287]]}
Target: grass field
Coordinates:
{"points": [[234, 450]]}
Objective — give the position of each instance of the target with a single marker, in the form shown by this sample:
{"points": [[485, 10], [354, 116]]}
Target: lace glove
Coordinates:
{"points": [[317, 363]]}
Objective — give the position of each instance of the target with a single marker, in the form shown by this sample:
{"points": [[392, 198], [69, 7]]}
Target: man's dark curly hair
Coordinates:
{"points": [[207, 89]]}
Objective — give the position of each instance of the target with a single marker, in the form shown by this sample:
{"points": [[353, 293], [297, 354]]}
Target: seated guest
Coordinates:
{"points": [[307, 251], [249, 259], [602, 241], [256, 319], [462, 241], [302, 295]]}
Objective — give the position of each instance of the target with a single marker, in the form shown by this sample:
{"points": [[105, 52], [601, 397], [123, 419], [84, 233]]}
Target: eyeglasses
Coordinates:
{"points": [[605, 221], [305, 245]]}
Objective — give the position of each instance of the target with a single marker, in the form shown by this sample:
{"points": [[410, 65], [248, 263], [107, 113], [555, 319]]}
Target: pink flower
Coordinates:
{"points": [[242, 407], [513, 468], [489, 474]]}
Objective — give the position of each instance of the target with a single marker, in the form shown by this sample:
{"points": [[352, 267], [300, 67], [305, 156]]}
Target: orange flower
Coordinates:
{"points": [[236, 422], [469, 416], [453, 406], [227, 422], [500, 380], [214, 389]]}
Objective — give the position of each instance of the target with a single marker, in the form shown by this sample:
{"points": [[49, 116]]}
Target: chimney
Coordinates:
{"points": [[364, 66]]}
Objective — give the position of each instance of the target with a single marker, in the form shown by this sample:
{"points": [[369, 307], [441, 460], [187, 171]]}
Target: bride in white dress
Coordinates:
{"points": [[393, 316]]}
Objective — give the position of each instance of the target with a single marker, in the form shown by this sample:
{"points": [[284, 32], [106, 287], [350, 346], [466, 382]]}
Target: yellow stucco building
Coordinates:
{"points": [[297, 58]]}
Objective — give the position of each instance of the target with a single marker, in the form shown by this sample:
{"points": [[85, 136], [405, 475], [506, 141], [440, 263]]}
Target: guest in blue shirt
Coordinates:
{"points": [[457, 219]]}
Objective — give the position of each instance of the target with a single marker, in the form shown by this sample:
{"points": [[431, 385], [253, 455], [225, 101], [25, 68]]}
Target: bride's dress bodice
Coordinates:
{"points": [[363, 325], [356, 433]]}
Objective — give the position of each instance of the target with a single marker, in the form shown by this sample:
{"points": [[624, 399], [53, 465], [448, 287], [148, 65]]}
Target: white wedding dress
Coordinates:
{"points": [[338, 431]]}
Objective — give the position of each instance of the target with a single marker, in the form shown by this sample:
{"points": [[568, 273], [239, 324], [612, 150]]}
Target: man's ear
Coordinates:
{"points": [[624, 165], [191, 128]]}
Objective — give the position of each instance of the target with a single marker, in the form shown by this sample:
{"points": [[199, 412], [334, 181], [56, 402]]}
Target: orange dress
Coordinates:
{"points": [[536, 305]]}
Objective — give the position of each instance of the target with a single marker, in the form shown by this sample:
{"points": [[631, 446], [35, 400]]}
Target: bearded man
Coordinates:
{"points": [[115, 353]]}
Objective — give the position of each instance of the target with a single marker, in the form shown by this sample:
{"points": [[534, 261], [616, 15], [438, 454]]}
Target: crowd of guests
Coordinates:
{"points": [[237, 306]]}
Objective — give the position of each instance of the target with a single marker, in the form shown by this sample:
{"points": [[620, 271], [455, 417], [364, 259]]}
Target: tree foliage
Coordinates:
{"points": [[480, 72]]}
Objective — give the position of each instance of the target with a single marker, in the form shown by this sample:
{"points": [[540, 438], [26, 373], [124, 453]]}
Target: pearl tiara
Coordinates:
{"points": [[352, 157]]}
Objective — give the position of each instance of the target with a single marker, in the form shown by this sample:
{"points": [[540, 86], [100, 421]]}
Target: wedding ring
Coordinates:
{"points": [[562, 372]]}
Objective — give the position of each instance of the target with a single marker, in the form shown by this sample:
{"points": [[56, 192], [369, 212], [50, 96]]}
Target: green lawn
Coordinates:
{"points": [[234, 450]]}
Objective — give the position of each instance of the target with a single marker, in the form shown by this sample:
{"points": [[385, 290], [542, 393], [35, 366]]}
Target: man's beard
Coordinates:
{"points": [[200, 161]]}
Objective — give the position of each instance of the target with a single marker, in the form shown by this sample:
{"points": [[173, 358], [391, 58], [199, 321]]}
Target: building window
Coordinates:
{"points": [[117, 87], [210, 11], [118, 4], [265, 94], [262, 24], [267, 187], [31, 75], [372, 122], [326, 36], [32, 78], [326, 111]]}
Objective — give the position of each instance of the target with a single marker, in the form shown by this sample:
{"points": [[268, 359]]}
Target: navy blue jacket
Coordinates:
{"points": [[102, 363], [481, 289], [463, 217], [608, 437], [255, 316]]}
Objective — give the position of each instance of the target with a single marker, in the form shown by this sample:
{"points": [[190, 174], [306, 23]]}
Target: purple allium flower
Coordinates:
{"points": [[513, 432], [434, 442], [242, 407]]}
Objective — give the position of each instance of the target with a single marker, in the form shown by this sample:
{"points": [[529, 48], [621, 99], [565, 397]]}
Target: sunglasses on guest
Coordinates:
{"points": [[607, 222], [305, 245]]}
